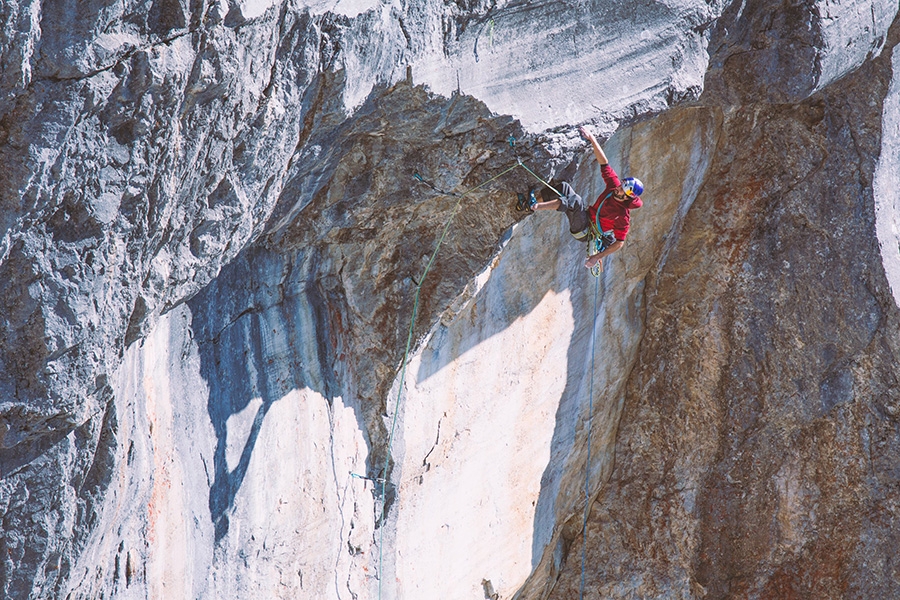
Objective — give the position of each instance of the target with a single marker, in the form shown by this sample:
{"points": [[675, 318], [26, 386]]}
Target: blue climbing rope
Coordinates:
{"points": [[587, 466]]}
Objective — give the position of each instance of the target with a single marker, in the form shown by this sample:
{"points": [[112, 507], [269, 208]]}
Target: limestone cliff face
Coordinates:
{"points": [[760, 418], [210, 242]]}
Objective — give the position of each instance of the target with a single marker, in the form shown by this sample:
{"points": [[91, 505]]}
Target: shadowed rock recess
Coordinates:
{"points": [[211, 237]]}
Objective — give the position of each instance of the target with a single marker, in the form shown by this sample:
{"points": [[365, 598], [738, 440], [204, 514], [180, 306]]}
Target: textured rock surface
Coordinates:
{"points": [[885, 184], [209, 237], [552, 62], [753, 455]]}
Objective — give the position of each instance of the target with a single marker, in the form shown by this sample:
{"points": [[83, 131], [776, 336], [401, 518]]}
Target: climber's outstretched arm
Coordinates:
{"points": [[590, 261]]}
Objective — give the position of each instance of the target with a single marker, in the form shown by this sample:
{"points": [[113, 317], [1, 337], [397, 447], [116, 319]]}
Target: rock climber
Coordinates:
{"points": [[610, 214]]}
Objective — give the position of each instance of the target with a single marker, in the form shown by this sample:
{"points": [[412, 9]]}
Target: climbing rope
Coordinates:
{"points": [[536, 176], [409, 338], [587, 466], [412, 321]]}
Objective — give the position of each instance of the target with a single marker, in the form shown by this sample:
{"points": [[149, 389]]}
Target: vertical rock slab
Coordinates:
{"points": [[887, 182], [753, 453], [476, 425], [152, 532], [275, 470]]}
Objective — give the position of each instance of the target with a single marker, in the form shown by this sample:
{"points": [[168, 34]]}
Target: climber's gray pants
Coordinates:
{"points": [[576, 212]]}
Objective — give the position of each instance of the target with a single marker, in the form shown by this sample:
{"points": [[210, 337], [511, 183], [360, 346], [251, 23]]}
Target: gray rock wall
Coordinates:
{"points": [[885, 185], [209, 242], [752, 455], [122, 194]]}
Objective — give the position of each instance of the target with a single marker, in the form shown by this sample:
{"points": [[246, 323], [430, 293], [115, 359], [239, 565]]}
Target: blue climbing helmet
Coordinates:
{"points": [[632, 186]]}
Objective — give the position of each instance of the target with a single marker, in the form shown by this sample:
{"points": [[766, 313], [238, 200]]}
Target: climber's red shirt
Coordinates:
{"points": [[614, 215]]}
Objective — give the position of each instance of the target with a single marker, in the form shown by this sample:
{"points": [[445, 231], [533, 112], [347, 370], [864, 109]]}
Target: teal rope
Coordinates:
{"points": [[536, 176], [409, 338], [587, 466]]}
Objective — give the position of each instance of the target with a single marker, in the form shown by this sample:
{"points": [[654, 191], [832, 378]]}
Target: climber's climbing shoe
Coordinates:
{"points": [[526, 201]]}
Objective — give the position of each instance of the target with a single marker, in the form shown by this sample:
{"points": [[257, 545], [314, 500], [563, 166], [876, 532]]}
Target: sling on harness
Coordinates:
{"points": [[597, 239]]}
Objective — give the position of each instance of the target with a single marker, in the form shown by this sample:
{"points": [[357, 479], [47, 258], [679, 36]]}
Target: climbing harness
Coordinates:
{"points": [[587, 466], [598, 240], [595, 246]]}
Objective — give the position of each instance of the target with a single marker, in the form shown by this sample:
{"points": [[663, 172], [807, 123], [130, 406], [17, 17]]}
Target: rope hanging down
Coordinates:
{"points": [[409, 339], [405, 361], [587, 466]]}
